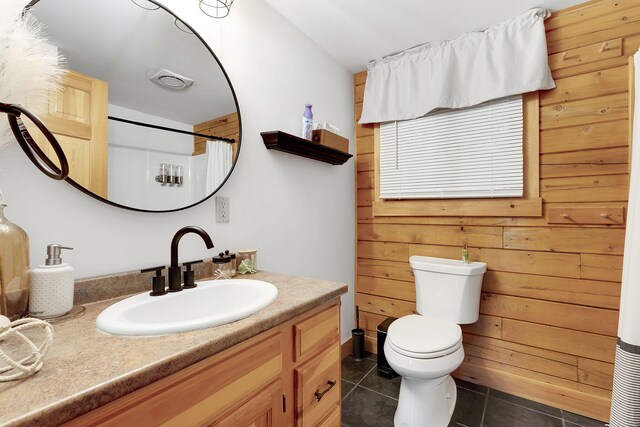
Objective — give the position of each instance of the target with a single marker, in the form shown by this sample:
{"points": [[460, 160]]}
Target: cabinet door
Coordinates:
{"points": [[207, 393], [261, 410]]}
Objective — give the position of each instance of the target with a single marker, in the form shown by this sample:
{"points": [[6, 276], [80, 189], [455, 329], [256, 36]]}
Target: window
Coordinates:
{"points": [[528, 205], [474, 152]]}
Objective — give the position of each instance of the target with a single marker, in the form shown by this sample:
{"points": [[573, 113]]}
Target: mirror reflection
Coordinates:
{"points": [[147, 116]]}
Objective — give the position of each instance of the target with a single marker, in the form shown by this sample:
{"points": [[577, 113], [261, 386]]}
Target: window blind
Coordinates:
{"points": [[473, 152]]}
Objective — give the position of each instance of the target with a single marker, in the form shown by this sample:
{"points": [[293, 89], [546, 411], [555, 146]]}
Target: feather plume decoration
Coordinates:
{"points": [[30, 68]]}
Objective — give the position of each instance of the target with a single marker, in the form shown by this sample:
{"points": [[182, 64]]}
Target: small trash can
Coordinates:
{"points": [[384, 370]]}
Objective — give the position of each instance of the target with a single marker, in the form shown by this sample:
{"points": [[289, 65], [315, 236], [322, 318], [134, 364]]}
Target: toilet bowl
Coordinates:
{"points": [[424, 352], [425, 348]]}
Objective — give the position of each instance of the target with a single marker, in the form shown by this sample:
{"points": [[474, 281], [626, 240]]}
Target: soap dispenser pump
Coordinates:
{"points": [[51, 292], [465, 254]]}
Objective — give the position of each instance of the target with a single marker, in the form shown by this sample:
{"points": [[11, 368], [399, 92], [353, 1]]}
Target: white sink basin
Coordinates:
{"points": [[212, 303]]}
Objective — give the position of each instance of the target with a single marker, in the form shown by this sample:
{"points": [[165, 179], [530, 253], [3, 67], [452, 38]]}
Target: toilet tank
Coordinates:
{"points": [[448, 288]]}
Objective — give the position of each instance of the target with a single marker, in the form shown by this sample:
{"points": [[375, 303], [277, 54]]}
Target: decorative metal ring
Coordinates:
{"points": [[30, 147]]}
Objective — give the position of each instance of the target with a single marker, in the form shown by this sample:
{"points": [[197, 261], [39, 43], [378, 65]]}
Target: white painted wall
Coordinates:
{"points": [[298, 213]]}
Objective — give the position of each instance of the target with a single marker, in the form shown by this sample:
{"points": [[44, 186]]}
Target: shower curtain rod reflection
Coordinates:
{"points": [[186, 132]]}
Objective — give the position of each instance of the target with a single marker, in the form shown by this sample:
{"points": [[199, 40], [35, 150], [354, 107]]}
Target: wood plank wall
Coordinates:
{"points": [[550, 297], [226, 127]]}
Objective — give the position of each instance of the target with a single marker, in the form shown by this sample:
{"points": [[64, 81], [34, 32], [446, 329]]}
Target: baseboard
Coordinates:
{"points": [[548, 394], [370, 344], [347, 348]]}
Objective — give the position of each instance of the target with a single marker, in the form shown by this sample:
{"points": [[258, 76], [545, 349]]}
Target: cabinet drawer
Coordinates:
{"points": [[316, 397], [333, 420], [316, 333]]}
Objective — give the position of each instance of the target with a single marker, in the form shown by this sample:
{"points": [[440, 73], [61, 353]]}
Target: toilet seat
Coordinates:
{"points": [[421, 337]]}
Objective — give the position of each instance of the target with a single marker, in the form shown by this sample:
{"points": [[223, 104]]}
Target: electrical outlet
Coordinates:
{"points": [[222, 209]]}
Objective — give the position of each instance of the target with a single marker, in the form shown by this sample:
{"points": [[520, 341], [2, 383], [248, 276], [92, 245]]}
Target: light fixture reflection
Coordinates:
{"points": [[216, 8], [182, 26], [145, 4]]}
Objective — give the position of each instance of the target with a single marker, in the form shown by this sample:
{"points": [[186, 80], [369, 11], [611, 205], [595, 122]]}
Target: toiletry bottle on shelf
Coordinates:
{"points": [[14, 268], [307, 122], [51, 286], [465, 254]]}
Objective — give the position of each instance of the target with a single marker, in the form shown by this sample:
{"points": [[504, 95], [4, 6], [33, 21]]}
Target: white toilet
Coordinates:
{"points": [[424, 349]]}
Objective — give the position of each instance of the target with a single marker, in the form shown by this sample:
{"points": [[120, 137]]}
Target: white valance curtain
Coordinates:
{"points": [[507, 59]]}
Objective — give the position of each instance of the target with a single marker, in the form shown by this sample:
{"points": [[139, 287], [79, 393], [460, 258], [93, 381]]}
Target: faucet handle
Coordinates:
{"points": [[189, 275], [157, 288], [190, 263]]}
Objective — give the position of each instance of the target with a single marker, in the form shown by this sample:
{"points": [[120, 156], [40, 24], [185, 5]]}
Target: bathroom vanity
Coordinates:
{"points": [[279, 367], [249, 384]]}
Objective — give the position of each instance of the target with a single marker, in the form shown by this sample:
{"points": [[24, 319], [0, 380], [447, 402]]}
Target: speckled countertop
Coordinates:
{"points": [[86, 369]]}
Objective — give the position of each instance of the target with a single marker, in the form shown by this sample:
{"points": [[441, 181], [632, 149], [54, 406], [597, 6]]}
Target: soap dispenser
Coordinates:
{"points": [[51, 293], [465, 253]]}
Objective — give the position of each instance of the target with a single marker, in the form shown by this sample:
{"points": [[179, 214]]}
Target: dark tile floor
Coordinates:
{"points": [[370, 401]]}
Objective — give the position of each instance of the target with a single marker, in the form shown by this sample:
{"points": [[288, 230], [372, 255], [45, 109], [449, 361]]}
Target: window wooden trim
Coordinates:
{"points": [[632, 105], [528, 205]]}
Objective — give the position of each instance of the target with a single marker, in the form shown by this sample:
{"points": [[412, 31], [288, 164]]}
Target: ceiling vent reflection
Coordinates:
{"points": [[171, 80]]}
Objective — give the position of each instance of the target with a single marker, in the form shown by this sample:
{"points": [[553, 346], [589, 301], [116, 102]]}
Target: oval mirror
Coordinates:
{"points": [[147, 115]]}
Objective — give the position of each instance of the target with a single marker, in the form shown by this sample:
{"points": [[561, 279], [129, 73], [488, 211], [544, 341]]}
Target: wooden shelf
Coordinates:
{"points": [[282, 141]]}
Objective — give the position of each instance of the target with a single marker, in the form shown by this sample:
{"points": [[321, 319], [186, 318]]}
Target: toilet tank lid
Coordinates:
{"points": [[449, 266]]}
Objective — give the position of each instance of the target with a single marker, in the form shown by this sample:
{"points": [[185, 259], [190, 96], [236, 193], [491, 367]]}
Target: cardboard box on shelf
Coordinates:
{"points": [[331, 140]]}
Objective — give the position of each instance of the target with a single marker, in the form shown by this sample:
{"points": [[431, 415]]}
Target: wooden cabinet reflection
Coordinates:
{"points": [[77, 116]]}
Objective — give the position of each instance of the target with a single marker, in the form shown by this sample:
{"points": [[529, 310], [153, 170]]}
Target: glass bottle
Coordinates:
{"points": [[14, 268], [307, 122], [233, 261]]}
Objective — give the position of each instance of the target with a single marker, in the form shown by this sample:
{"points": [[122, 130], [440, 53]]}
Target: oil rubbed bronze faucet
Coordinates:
{"points": [[175, 270]]}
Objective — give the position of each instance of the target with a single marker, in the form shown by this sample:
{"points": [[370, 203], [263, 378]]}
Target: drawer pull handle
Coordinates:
{"points": [[319, 395]]}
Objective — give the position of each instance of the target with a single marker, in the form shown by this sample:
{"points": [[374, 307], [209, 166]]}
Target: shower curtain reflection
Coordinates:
{"points": [[219, 156]]}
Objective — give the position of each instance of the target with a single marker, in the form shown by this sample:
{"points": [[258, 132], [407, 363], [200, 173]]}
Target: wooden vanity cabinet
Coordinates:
{"points": [[271, 380]]}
